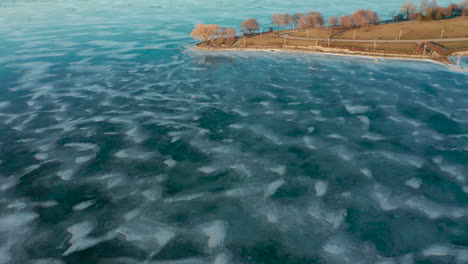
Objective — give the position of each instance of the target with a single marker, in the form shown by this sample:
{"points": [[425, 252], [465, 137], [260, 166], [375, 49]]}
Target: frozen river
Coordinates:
{"points": [[120, 143]]}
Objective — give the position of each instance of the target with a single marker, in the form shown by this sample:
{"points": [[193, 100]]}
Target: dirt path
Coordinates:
{"points": [[287, 36]]}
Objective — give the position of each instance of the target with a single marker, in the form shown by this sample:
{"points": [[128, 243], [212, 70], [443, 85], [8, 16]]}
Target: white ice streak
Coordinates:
{"points": [[366, 172], [133, 153], [441, 250], [216, 232], [147, 235], [364, 119], [273, 187], [414, 183], [79, 237], [86, 158], [321, 188], [433, 210], [281, 170], [185, 197], [357, 109], [170, 162], [65, 174], [82, 146], [404, 159], [333, 218], [207, 169], [83, 205], [16, 221]]}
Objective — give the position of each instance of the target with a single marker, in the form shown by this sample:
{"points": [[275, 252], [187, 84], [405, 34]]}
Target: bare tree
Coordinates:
{"points": [[230, 33], [312, 19], [453, 9], [204, 32], [373, 16], [408, 8], [332, 21], [317, 18], [424, 6], [250, 25], [365, 17], [413, 16], [304, 22], [282, 20], [464, 8], [297, 16], [464, 5], [346, 21]]}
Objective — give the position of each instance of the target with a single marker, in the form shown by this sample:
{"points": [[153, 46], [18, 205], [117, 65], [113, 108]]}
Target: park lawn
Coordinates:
{"points": [[455, 44], [401, 47], [279, 42], [453, 28]]}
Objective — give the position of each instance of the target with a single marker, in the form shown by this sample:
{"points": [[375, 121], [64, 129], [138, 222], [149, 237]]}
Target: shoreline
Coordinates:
{"points": [[341, 52]]}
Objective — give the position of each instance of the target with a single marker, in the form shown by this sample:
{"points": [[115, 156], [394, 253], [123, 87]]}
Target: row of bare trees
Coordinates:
{"points": [[360, 18], [430, 10], [427, 10], [316, 19], [308, 20], [210, 32]]}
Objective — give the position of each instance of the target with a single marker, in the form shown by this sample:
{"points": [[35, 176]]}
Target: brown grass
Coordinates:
{"points": [[413, 30], [453, 28], [455, 45]]}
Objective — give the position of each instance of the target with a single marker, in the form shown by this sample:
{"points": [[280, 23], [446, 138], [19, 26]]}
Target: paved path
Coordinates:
{"points": [[287, 36]]}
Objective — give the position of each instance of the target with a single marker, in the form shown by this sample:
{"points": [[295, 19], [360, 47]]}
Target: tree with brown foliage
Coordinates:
{"points": [[424, 6], [453, 9], [413, 16], [297, 16], [430, 15], [230, 33], [317, 18], [346, 21], [304, 22], [408, 8], [464, 8], [282, 20], [365, 17], [204, 32], [420, 16], [249, 26], [312, 19], [332, 21]]}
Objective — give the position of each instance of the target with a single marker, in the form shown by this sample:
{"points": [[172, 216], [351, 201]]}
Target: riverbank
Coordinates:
{"points": [[444, 60], [434, 41]]}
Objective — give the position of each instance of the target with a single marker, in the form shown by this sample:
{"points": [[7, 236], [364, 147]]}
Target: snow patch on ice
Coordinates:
{"points": [[321, 188], [273, 187], [216, 232], [414, 183]]}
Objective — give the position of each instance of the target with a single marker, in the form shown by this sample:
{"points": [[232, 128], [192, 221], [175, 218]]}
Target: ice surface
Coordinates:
{"points": [[83, 205], [216, 232], [65, 174], [273, 187], [414, 183], [207, 169], [357, 109], [117, 134], [321, 188]]}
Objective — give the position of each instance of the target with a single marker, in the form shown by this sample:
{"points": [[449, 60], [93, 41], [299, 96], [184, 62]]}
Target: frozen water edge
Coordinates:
{"points": [[122, 145]]}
